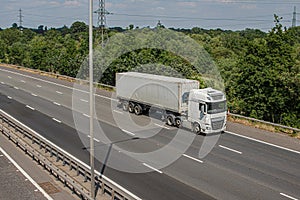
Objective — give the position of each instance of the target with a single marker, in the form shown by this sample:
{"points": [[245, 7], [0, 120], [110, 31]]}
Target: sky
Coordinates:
{"points": [[207, 14]]}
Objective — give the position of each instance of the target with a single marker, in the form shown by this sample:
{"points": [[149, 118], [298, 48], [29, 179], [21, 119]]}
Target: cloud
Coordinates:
{"points": [[75, 3], [187, 4]]}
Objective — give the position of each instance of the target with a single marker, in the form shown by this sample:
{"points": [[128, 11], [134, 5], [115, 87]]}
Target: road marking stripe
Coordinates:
{"points": [[73, 157], [9, 97], [288, 196], [56, 103], [34, 95], [263, 142], [1, 155], [118, 112], [47, 196], [16, 88], [9, 76], [86, 115], [152, 168], [23, 81], [128, 132], [2, 82], [58, 92], [229, 149], [38, 86], [56, 120], [27, 106], [195, 159], [162, 126], [83, 100], [39, 79], [94, 138]]}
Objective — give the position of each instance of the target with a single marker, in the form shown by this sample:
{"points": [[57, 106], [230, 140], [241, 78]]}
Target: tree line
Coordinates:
{"points": [[261, 71]]}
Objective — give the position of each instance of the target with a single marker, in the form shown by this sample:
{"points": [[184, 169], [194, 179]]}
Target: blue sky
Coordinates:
{"points": [[209, 14]]}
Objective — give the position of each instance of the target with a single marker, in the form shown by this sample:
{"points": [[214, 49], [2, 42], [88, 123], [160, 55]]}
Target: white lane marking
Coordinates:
{"points": [[16, 88], [36, 190], [288, 196], [9, 97], [94, 138], [152, 168], [118, 112], [161, 126], [229, 149], [9, 77], [27, 106], [1, 155], [56, 103], [34, 95], [26, 179], [195, 159], [23, 81], [86, 115], [26, 175], [58, 92], [56, 120], [128, 132], [83, 100], [71, 88], [263, 142], [38, 86], [2, 82]]}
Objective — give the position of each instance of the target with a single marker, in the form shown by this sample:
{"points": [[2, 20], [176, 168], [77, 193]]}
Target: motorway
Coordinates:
{"points": [[236, 168]]}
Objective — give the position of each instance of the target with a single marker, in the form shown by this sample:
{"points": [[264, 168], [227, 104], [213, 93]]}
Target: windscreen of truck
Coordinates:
{"points": [[216, 107]]}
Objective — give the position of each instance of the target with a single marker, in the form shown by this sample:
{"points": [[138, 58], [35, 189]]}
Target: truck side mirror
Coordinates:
{"points": [[202, 108]]}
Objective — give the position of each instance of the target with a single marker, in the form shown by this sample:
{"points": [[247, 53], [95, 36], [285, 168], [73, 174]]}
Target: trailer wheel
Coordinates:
{"points": [[138, 109], [125, 106], [170, 120], [196, 128], [178, 122], [131, 107]]}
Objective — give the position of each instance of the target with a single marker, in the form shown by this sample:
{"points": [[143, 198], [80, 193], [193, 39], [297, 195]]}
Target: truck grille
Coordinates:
{"points": [[217, 125]]}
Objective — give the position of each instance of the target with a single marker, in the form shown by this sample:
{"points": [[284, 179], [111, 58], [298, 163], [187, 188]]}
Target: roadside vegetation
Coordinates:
{"points": [[261, 70]]}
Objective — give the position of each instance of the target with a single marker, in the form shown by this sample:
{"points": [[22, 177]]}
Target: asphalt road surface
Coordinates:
{"points": [[235, 168]]}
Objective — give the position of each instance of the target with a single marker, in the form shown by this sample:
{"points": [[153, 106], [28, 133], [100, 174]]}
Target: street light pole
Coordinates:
{"points": [[91, 77]]}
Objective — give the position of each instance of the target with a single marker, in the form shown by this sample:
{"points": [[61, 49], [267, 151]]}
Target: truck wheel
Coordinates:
{"points": [[178, 122], [197, 128], [170, 120], [125, 106], [137, 109], [131, 107]]}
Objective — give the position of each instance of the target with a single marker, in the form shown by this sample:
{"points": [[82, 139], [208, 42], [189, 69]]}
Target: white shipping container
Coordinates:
{"points": [[160, 91]]}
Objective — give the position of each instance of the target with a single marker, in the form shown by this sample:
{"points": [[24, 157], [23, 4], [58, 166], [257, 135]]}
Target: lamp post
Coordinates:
{"points": [[91, 77]]}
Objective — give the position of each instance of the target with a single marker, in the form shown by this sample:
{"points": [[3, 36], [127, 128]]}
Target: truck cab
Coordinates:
{"points": [[207, 110]]}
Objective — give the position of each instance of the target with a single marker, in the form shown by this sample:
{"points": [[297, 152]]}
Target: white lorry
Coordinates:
{"points": [[180, 101]]}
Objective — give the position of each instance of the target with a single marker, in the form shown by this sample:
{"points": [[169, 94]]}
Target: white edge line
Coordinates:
{"points": [[161, 126], [83, 100], [73, 157], [58, 92], [229, 149], [27, 106], [34, 95], [56, 120], [86, 115], [288, 196], [9, 97], [195, 159], [128, 132], [118, 112], [71, 88], [152, 168], [26, 175], [16, 88], [56, 103], [263, 142]]}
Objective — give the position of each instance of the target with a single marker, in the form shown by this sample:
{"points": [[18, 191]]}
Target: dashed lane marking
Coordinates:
{"points": [[195, 159], [229, 149], [27, 106]]}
